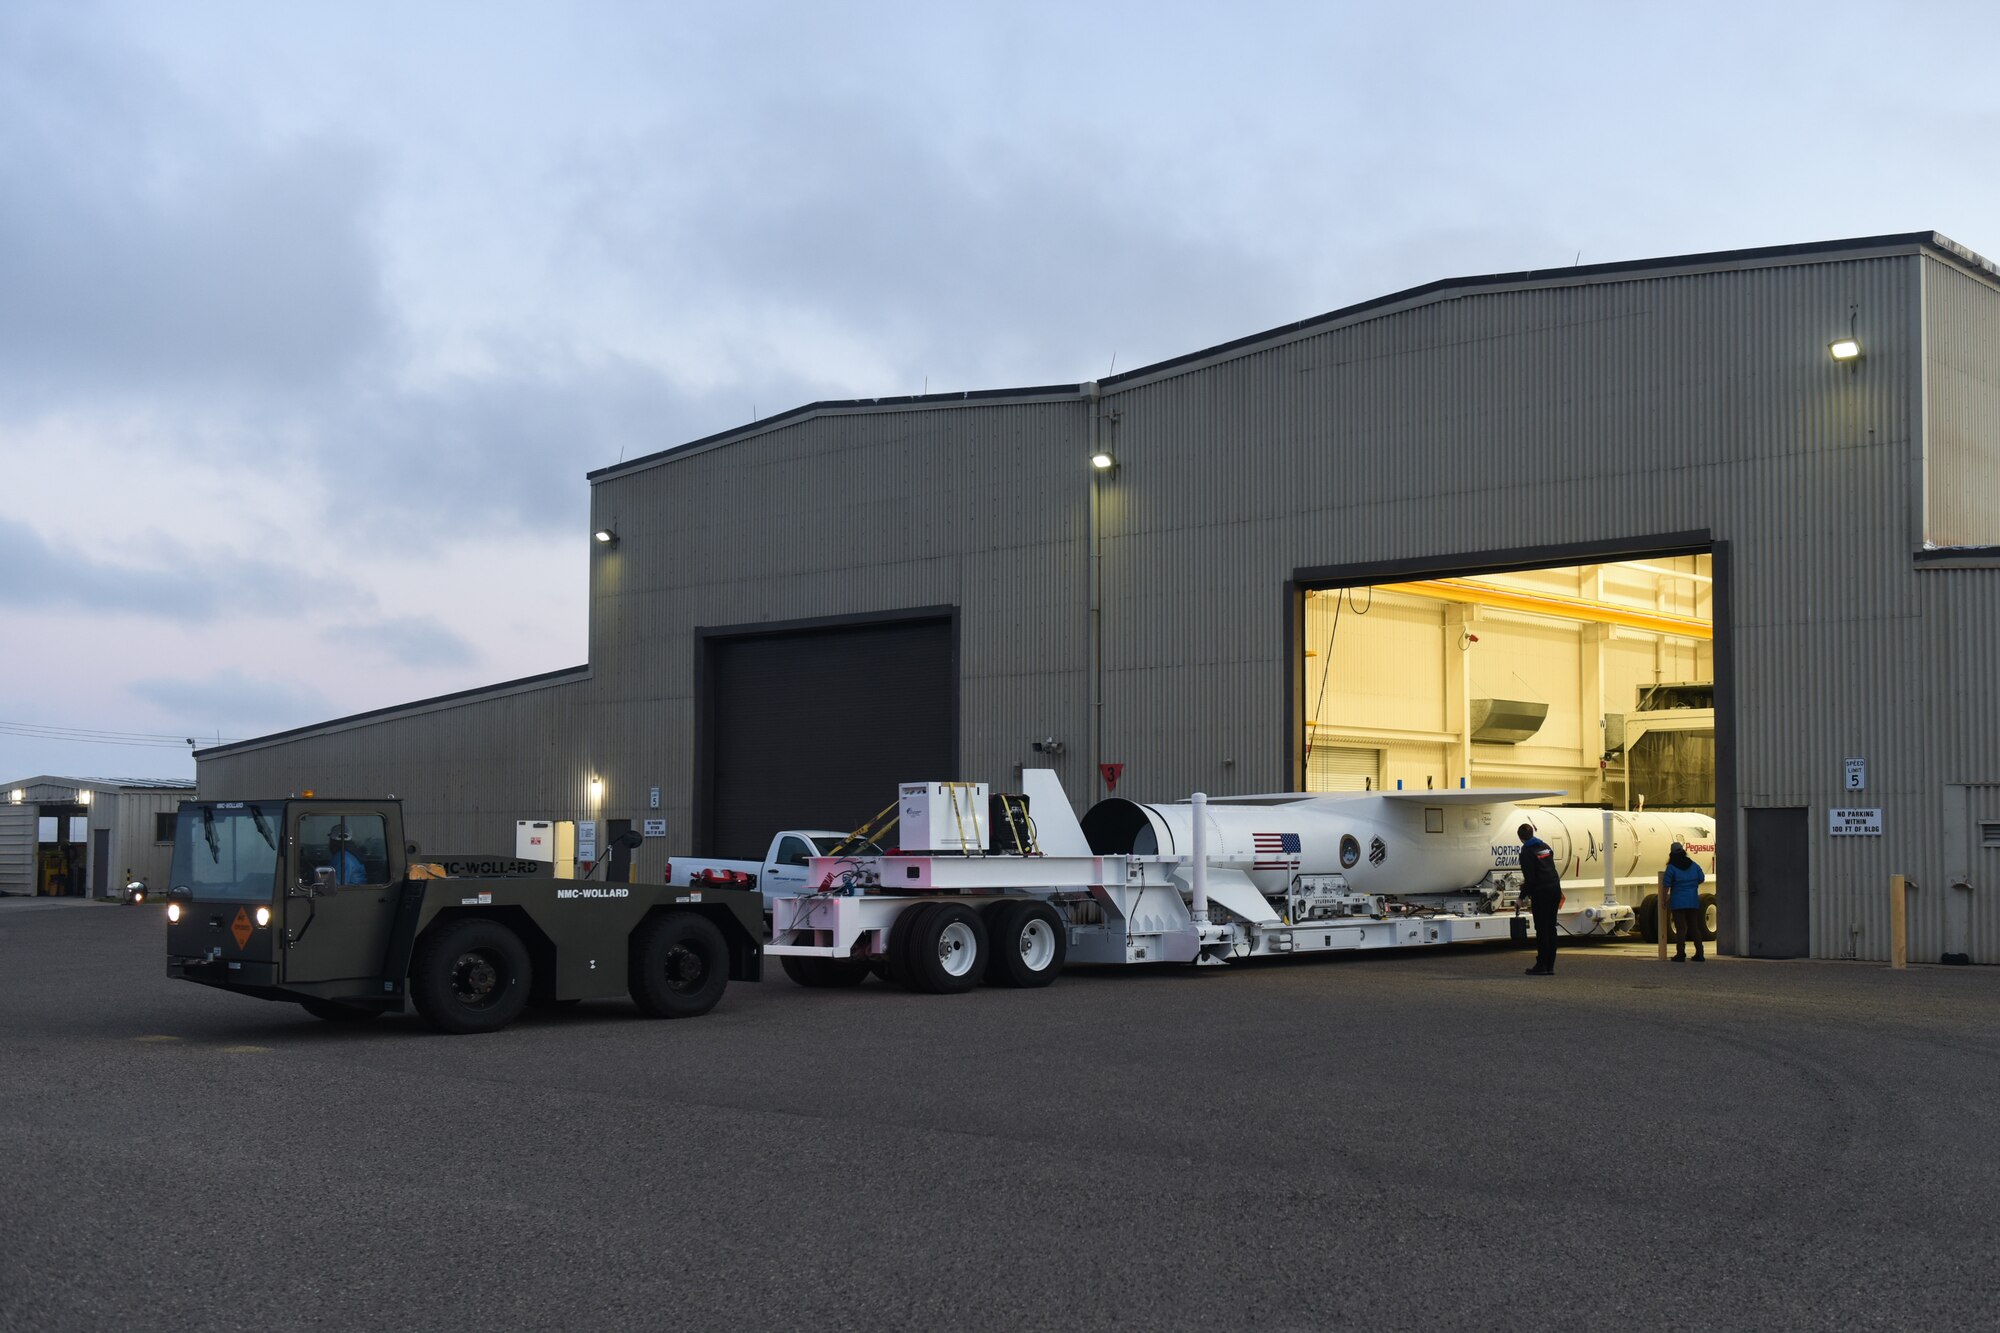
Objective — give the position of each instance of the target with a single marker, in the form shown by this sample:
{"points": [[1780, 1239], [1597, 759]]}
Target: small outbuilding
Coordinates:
{"points": [[87, 837]]}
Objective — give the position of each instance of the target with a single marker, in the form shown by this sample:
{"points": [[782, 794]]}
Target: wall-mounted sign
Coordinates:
{"points": [[586, 840], [1854, 773], [1854, 823], [652, 798], [656, 828]]}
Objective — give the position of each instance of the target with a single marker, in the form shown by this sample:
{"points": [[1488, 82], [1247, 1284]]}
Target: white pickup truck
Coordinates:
{"points": [[782, 872]]}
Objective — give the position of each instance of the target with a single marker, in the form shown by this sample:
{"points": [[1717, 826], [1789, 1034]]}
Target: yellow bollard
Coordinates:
{"points": [[1899, 922], [1666, 917]]}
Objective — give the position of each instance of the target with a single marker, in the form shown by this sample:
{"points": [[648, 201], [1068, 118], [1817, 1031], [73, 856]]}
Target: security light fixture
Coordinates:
{"points": [[83, 798], [1103, 461], [17, 796], [606, 537], [1845, 349], [597, 789]]}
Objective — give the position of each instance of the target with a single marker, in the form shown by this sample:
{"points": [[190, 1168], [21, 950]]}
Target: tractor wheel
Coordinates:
{"points": [[470, 975], [680, 965]]}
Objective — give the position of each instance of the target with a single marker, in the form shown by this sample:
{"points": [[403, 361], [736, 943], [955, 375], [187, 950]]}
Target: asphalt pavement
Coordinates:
{"points": [[1413, 1141]]}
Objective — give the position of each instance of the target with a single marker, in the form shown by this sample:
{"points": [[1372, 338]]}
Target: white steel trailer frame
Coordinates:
{"points": [[1136, 909]]}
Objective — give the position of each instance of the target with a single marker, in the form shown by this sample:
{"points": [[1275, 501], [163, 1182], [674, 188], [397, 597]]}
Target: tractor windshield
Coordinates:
{"points": [[226, 850]]}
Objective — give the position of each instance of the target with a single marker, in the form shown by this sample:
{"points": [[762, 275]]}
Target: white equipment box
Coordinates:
{"points": [[943, 816], [549, 840]]}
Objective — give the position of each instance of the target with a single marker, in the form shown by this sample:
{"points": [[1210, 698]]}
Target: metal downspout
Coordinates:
{"points": [[1096, 572]]}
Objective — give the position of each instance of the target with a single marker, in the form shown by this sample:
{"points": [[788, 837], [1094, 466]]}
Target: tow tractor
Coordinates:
{"points": [[1007, 888], [320, 902]]}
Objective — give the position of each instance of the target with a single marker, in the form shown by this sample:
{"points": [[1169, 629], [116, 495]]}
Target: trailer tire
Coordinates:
{"points": [[332, 1011], [470, 975], [1708, 916], [947, 949], [825, 973], [679, 965], [895, 954], [1026, 943], [1649, 918]]}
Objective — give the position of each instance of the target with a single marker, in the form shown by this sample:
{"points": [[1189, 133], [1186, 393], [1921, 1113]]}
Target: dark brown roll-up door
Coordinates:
{"points": [[814, 728]]}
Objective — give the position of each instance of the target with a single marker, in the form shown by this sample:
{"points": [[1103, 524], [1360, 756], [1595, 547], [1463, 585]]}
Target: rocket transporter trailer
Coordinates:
{"points": [[1008, 888]]}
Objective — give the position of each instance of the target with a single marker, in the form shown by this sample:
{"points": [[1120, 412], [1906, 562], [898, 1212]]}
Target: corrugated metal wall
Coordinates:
{"points": [[1962, 410], [1594, 410], [17, 849], [465, 772]]}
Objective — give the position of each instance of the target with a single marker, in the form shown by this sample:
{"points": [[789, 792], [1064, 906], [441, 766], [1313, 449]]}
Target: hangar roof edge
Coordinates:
{"points": [[514, 686], [1806, 252]]}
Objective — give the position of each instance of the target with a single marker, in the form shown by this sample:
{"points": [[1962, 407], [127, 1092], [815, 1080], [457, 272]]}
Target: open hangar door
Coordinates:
{"points": [[814, 724], [1593, 678]]}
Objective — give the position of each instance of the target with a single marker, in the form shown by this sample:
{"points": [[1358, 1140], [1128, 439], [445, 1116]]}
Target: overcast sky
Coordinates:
{"points": [[313, 316]]}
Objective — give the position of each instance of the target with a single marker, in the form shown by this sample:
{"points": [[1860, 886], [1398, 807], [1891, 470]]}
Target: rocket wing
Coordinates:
{"points": [[1470, 795]]}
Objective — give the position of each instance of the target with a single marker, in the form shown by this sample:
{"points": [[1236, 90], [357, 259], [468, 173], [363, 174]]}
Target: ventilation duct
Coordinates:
{"points": [[1506, 721]]}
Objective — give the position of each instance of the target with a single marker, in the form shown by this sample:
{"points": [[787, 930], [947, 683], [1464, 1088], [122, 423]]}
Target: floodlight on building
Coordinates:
{"points": [[1845, 349], [1103, 461], [605, 537], [596, 789], [17, 795], [83, 797]]}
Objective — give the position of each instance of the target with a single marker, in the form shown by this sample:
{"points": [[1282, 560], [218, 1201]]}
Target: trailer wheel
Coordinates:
{"points": [[470, 976], [825, 973], [680, 966], [1027, 945], [1708, 916], [1649, 918], [334, 1012], [895, 953], [947, 949]]}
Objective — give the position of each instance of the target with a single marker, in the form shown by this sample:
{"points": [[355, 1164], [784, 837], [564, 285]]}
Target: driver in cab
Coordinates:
{"points": [[341, 857]]}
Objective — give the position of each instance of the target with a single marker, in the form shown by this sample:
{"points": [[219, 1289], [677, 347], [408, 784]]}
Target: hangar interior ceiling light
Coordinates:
{"points": [[1845, 349]]}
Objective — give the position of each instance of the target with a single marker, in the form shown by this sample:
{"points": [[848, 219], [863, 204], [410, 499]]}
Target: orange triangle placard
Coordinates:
{"points": [[240, 928]]}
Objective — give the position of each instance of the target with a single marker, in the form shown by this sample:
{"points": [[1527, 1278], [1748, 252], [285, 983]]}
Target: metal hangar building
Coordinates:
{"points": [[1716, 531]]}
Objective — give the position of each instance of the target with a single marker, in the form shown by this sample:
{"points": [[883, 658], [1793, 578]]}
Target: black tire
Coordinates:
{"points": [[1027, 944], [679, 965], [946, 951], [1649, 918], [895, 954], [1708, 916], [825, 973], [470, 975], [333, 1012]]}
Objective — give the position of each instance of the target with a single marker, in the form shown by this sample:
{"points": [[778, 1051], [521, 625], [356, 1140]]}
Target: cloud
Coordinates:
{"points": [[177, 583], [233, 703], [413, 641], [147, 243]]}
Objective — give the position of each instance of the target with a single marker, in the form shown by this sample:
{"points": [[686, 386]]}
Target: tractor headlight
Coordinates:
{"points": [[263, 916], [173, 911]]}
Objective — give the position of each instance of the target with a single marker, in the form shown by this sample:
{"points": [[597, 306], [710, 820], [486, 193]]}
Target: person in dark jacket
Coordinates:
{"points": [[1684, 879], [1541, 882]]}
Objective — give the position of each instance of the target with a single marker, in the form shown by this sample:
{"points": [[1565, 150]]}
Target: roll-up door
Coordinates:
{"points": [[814, 728]]}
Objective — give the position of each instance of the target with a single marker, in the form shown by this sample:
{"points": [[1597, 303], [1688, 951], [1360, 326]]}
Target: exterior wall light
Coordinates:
{"points": [[83, 797], [1103, 461], [596, 790], [18, 795], [1844, 349], [606, 537]]}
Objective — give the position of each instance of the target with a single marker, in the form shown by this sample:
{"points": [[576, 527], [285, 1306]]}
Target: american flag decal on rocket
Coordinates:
{"points": [[1275, 851]]}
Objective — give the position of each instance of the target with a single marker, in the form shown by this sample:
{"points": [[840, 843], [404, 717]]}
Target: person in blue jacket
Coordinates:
{"points": [[1684, 879]]}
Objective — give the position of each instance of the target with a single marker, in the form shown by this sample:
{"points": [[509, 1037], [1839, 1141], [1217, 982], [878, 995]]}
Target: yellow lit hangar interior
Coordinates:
{"points": [[1595, 680]]}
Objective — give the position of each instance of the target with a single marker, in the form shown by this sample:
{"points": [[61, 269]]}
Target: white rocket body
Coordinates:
{"points": [[1403, 844]]}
